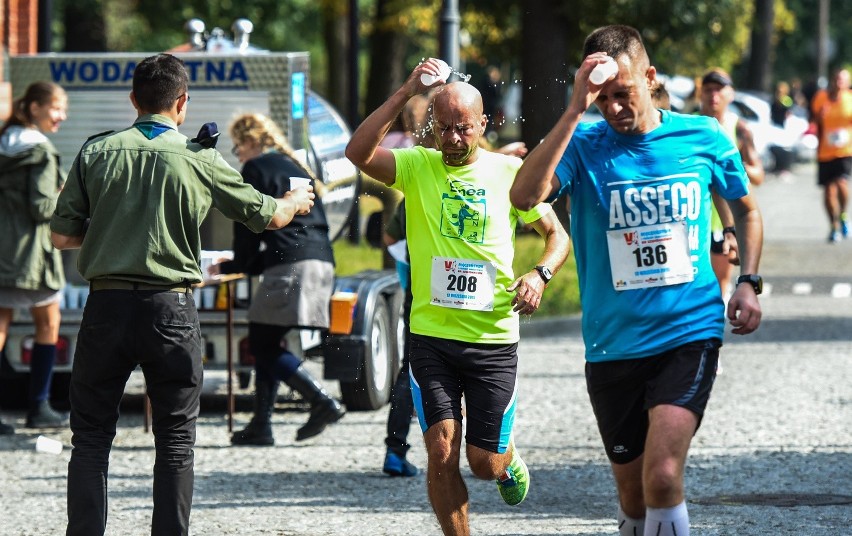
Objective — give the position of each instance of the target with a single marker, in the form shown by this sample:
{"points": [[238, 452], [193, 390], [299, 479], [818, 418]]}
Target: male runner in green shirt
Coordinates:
{"points": [[464, 316]]}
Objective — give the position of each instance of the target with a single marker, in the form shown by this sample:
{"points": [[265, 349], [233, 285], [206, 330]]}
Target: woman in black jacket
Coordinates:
{"points": [[297, 267]]}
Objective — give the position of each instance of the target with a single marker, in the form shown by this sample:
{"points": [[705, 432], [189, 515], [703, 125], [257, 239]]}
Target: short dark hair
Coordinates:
{"points": [[158, 81], [616, 40]]}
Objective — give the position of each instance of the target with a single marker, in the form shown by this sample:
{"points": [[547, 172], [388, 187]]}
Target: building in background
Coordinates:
{"points": [[18, 35]]}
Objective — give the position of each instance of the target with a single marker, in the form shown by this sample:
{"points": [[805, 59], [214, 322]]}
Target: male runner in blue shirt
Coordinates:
{"points": [[640, 184]]}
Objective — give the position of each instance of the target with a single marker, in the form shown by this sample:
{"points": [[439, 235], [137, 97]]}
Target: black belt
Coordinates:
{"points": [[120, 284]]}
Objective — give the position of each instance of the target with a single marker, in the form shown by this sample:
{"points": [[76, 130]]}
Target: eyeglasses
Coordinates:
{"points": [[235, 150], [188, 98]]}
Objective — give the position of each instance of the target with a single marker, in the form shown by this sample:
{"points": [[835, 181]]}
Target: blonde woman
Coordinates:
{"points": [[297, 264], [31, 273]]}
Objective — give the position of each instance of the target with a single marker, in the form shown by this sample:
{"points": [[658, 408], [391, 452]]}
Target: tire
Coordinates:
{"points": [[372, 389]]}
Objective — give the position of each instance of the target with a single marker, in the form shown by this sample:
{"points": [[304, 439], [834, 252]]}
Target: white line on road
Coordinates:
{"points": [[841, 290], [802, 289]]}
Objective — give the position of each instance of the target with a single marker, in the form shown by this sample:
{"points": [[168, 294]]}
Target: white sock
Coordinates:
{"points": [[628, 526], [672, 521]]}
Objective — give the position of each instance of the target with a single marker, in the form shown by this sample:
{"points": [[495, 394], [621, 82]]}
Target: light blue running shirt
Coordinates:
{"points": [[640, 217]]}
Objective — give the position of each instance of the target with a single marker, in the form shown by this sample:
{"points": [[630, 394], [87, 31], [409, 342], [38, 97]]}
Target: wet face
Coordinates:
{"points": [[457, 126], [47, 117], [625, 101], [715, 98]]}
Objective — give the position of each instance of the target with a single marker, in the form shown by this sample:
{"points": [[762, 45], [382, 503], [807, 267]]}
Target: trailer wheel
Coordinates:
{"points": [[372, 389]]}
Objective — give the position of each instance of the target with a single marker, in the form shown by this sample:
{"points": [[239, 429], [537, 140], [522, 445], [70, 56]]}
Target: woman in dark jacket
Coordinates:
{"points": [[31, 274], [297, 267]]}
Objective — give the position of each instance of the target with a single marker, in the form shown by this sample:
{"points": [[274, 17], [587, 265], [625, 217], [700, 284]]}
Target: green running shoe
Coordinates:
{"points": [[514, 483]]}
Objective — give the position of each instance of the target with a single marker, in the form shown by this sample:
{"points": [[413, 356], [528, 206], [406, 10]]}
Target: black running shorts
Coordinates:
{"points": [[623, 391], [442, 370], [833, 170]]}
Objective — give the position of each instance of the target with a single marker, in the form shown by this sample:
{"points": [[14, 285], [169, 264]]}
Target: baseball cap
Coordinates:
{"points": [[717, 76]]}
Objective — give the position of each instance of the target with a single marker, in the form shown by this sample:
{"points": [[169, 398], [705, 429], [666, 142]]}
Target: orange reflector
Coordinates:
{"points": [[342, 312]]}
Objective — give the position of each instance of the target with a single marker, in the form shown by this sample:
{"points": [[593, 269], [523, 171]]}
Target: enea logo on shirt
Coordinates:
{"points": [[463, 218]]}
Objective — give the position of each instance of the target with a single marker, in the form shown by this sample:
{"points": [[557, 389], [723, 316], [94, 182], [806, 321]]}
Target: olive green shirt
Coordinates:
{"points": [[146, 190]]}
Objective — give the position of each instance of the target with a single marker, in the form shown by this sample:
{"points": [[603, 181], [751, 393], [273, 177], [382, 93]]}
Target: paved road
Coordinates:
{"points": [[777, 432]]}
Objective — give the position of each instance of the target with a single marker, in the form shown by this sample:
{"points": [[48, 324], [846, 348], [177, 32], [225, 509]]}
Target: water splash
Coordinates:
{"points": [[462, 76]]}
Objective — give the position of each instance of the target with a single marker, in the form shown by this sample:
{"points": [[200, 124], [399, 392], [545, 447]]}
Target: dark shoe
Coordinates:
{"points": [[6, 429], [44, 416], [398, 466], [259, 429], [256, 433], [325, 412], [324, 409]]}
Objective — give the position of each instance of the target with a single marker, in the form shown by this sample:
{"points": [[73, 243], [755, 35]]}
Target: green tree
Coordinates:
{"points": [[85, 26], [797, 44]]}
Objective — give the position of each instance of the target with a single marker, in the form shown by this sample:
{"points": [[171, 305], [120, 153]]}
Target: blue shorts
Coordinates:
{"points": [[443, 370]]}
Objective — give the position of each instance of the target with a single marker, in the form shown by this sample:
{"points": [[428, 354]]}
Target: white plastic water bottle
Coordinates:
{"points": [[603, 71], [444, 73]]}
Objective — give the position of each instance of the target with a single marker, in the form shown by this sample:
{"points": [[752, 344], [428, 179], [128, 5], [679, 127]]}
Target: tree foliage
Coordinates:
{"points": [[795, 52], [683, 36]]}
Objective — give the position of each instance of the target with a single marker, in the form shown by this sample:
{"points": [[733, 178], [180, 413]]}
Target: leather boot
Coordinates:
{"points": [[324, 409], [41, 415], [259, 429]]}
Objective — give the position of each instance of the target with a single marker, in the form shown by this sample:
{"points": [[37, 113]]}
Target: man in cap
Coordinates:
{"points": [[716, 94]]}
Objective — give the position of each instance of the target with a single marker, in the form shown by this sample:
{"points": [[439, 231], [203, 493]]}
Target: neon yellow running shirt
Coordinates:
{"points": [[461, 232], [729, 127]]}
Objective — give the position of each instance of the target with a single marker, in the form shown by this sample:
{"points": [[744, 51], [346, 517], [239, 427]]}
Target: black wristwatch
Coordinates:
{"points": [[755, 281], [544, 272]]}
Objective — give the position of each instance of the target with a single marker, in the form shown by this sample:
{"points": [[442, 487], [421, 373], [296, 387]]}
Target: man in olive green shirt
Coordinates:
{"points": [[133, 204]]}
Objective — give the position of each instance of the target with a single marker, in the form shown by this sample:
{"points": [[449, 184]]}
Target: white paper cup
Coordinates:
{"points": [[603, 72], [48, 445], [206, 262], [443, 75], [299, 182]]}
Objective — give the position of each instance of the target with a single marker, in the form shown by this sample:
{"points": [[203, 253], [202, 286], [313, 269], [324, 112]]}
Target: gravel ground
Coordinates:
{"points": [[777, 425], [777, 431]]}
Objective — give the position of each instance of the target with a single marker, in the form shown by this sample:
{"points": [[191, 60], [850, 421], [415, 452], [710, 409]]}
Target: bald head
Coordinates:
{"points": [[459, 95], [458, 122]]}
